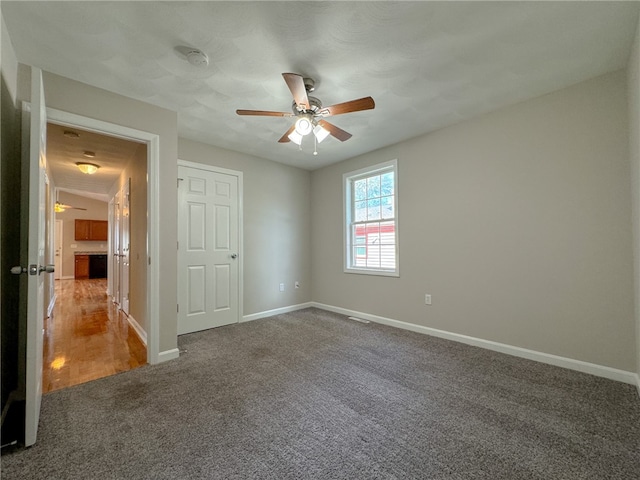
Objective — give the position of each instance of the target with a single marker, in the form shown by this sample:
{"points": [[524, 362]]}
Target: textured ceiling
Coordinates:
{"points": [[426, 64]]}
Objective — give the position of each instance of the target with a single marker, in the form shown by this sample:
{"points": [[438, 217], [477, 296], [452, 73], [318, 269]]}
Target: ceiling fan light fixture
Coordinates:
{"points": [[295, 137], [304, 126], [320, 133], [88, 168]]}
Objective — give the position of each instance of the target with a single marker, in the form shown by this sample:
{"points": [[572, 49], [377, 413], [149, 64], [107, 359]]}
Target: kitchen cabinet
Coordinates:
{"points": [[91, 230], [82, 266]]}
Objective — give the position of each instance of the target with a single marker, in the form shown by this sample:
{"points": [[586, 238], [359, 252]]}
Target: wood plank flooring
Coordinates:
{"points": [[87, 337]]}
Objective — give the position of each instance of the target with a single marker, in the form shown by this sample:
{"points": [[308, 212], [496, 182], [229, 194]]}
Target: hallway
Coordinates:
{"points": [[87, 337]]}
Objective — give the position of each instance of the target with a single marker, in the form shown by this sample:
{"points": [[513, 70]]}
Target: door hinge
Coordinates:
{"points": [[178, 308], [149, 260], [178, 182], [178, 245]]}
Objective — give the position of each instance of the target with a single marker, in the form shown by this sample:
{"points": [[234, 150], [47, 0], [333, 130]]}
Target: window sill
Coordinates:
{"points": [[379, 273]]}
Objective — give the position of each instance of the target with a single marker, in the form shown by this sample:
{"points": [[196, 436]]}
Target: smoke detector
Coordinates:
{"points": [[197, 58]]}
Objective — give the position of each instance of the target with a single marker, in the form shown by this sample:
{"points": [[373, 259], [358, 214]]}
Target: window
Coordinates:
{"points": [[371, 212]]}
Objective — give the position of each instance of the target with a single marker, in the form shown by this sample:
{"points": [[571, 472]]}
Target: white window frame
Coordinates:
{"points": [[347, 208]]}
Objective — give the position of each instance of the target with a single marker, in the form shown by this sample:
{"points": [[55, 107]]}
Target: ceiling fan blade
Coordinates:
{"points": [[295, 83], [264, 113], [365, 103], [335, 131], [64, 205], [285, 137]]}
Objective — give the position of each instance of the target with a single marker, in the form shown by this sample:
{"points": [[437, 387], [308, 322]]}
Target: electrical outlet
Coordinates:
{"points": [[282, 287], [297, 285], [427, 299]]}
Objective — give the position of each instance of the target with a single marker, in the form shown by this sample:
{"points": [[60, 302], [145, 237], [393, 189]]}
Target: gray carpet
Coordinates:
{"points": [[312, 395]]}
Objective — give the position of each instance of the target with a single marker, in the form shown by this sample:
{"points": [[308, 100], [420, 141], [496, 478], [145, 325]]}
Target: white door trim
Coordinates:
{"points": [[235, 173], [153, 201]]}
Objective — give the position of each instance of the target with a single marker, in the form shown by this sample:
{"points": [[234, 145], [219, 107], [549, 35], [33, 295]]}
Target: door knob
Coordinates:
{"points": [[46, 268], [234, 255], [33, 269]]}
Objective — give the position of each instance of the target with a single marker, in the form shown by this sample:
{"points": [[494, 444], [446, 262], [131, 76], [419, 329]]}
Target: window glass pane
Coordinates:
{"points": [[360, 211], [373, 186], [387, 233], [359, 260], [360, 189], [388, 256], [373, 233], [386, 204], [373, 256], [386, 184], [373, 209]]}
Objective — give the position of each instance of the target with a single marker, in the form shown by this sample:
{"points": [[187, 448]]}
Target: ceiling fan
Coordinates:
{"points": [[61, 207], [311, 113]]}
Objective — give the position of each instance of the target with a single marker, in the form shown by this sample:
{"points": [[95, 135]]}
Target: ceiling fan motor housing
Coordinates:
{"points": [[315, 105], [309, 84]]}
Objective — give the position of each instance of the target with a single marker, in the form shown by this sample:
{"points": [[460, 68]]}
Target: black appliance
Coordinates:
{"points": [[97, 266]]}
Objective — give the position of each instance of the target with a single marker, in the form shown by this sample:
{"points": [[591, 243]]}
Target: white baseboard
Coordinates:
{"points": [[168, 355], [578, 365], [67, 277], [52, 304], [138, 329], [275, 311]]}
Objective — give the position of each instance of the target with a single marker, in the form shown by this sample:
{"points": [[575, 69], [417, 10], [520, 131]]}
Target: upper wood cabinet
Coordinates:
{"points": [[91, 230]]}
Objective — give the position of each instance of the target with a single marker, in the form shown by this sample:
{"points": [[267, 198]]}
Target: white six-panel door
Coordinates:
{"points": [[208, 249]]}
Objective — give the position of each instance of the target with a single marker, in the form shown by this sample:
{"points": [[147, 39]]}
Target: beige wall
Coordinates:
{"points": [[8, 61], [517, 223], [136, 169], [633, 86], [82, 99], [276, 224], [95, 210]]}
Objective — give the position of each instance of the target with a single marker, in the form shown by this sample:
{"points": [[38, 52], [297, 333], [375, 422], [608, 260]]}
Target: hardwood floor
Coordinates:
{"points": [[87, 337]]}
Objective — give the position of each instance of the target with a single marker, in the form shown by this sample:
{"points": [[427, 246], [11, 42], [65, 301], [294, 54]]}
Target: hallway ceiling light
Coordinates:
{"points": [[71, 134], [88, 168]]}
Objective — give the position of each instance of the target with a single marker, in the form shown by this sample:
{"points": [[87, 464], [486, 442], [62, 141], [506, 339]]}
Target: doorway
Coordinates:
{"points": [[151, 289], [90, 335]]}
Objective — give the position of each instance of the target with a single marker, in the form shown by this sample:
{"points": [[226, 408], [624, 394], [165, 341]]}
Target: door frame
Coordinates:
{"points": [[153, 211], [238, 174]]}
